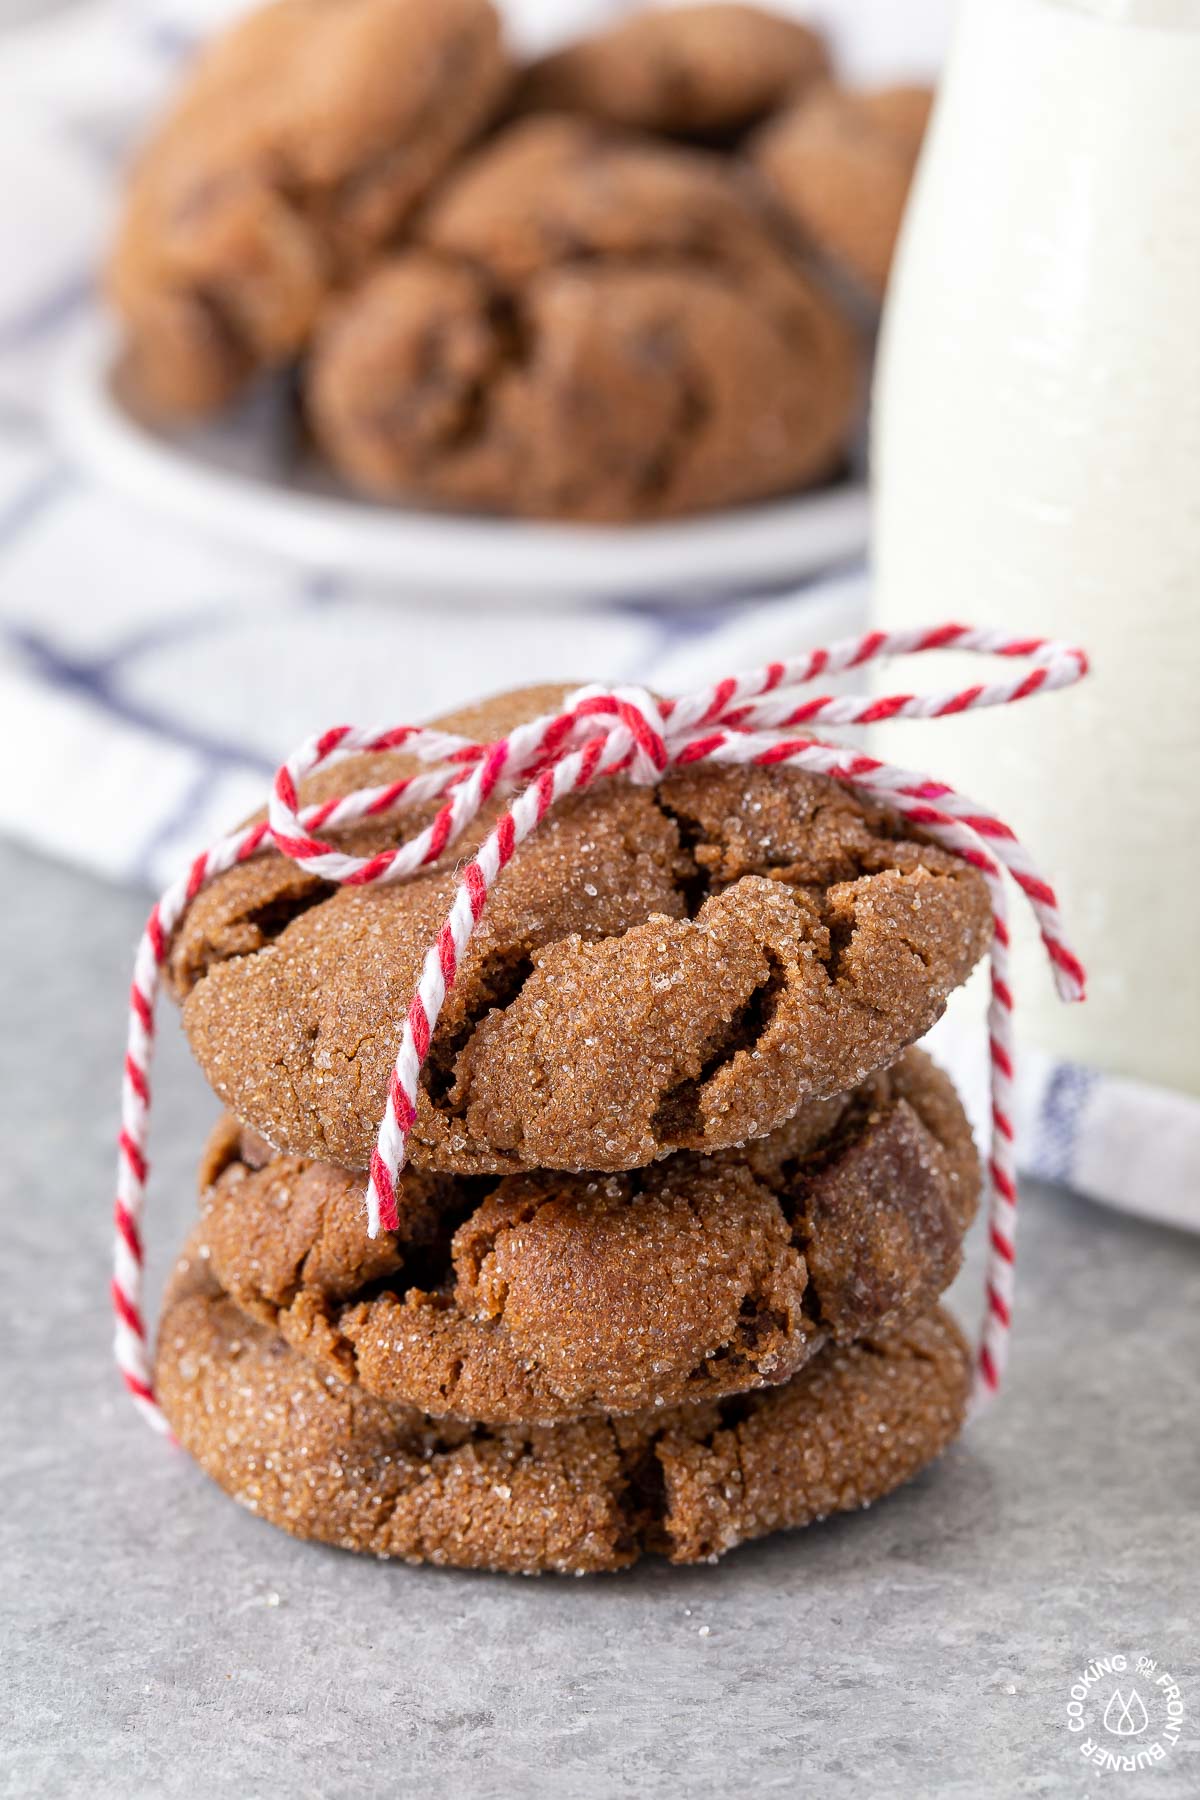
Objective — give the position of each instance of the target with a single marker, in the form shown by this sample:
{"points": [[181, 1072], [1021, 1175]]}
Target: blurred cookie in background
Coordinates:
{"points": [[706, 72], [592, 326], [303, 138], [611, 287], [839, 164]]}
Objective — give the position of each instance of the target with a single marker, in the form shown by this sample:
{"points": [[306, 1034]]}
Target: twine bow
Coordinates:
{"points": [[611, 733]]}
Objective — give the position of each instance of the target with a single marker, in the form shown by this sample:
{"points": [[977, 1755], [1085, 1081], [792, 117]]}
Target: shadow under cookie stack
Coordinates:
{"points": [[680, 1202]]}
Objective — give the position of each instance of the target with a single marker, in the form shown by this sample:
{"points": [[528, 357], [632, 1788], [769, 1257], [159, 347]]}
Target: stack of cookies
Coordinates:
{"points": [[681, 1200]]}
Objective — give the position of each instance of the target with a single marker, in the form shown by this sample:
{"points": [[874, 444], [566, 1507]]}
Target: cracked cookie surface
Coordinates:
{"points": [[703, 72], [325, 1460], [589, 326], [658, 969], [840, 164], [547, 1297], [303, 139]]}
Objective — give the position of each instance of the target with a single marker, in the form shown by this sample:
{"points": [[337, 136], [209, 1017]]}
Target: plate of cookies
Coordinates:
{"points": [[384, 297]]}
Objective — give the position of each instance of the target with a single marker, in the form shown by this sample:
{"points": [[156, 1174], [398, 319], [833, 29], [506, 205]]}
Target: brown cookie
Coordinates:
{"points": [[550, 1297], [549, 191], [324, 1460], [840, 165], [693, 71], [658, 969], [303, 138], [596, 328]]}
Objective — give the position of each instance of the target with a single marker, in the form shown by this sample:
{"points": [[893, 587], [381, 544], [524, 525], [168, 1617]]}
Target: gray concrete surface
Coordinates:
{"points": [[157, 1641]]}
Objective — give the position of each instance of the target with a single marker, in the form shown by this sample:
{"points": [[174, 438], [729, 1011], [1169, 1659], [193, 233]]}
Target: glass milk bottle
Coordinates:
{"points": [[1037, 467]]}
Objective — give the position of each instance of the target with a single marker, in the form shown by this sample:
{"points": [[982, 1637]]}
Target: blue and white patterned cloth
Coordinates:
{"points": [[149, 681], [1123, 1142]]}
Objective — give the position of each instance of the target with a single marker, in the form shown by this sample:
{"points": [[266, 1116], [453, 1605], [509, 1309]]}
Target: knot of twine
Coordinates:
{"points": [[612, 733]]}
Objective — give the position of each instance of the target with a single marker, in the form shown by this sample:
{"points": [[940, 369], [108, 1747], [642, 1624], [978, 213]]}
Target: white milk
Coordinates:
{"points": [[1037, 458]]}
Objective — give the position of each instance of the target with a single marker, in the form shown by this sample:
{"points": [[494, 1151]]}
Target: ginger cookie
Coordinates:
{"points": [[840, 165], [590, 327], [304, 138], [659, 969], [322, 1459], [549, 1297], [703, 72]]}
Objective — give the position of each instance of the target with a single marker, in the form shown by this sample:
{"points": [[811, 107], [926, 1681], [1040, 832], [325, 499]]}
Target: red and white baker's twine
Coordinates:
{"points": [[620, 733]]}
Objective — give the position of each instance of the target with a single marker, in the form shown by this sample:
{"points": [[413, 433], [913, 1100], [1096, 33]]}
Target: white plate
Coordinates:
{"points": [[244, 479]]}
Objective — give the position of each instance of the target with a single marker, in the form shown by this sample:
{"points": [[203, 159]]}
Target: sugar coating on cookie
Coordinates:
{"points": [[840, 164], [551, 1296], [325, 1460], [693, 71], [303, 138], [658, 969], [588, 326]]}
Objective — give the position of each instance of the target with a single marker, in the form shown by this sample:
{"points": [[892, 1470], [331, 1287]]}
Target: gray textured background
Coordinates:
{"points": [[156, 1641]]}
